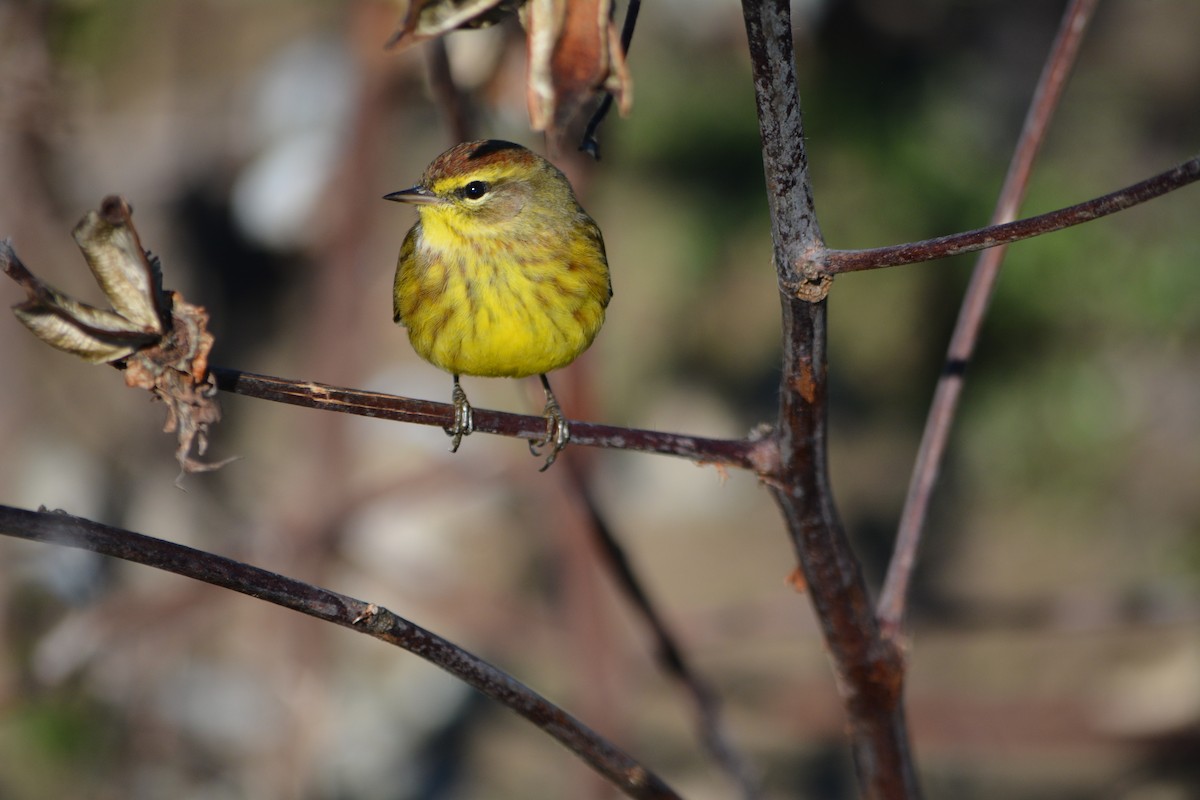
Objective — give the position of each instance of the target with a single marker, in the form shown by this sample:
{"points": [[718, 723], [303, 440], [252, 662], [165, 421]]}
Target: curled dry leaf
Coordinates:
{"points": [[574, 52], [428, 19], [574, 49], [160, 341]]}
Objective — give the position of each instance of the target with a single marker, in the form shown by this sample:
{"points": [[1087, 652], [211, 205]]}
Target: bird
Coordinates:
{"points": [[503, 275]]}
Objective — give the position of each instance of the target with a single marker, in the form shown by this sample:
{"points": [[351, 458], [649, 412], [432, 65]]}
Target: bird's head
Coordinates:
{"points": [[488, 188]]}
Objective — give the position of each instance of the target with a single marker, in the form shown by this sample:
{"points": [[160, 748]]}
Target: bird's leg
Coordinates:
{"points": [[464, 420], [558, 432]]}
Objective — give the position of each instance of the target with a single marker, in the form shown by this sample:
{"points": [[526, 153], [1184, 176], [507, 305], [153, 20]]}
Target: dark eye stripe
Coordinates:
{"points": [[474, 190]]}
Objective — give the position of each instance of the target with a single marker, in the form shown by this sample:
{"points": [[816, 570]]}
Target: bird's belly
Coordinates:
{"points": [[498, 325]]}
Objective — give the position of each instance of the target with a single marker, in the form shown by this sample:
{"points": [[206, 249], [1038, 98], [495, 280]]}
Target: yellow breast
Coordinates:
{"points": [[482, 306]]}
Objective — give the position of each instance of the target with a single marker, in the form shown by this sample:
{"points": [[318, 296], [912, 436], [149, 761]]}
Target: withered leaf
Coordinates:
{"points": [[161, 343], [93, 334], [428, 19], [574, 49], [126, 273], [574, 52]]}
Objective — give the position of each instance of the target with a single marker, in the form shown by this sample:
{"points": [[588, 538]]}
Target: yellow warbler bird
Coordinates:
{"points": [[503, 275]]}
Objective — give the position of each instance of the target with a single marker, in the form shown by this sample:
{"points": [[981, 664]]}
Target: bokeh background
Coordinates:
{"points": [[1056, 629]]}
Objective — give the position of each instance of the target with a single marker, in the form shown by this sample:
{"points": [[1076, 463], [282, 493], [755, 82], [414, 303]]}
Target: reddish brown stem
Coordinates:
{"points": [[1063, 52], [756, 454], [869, 670], [669, 653], [838, 261], [629, 776]]}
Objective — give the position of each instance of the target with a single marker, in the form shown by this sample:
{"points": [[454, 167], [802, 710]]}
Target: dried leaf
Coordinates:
{"points": [[574, 52], [122, 267], [619, 82], [93, 334], [176, 372], [65, 334], [542, 20], [574, 49], [428, 19], [162, 343]]}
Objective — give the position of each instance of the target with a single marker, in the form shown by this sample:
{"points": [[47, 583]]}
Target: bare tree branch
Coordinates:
{"points": [[1046, 96], [755, 453], [456, 111], [838, 261], [633, 779], [668, 652], [869, 670]]}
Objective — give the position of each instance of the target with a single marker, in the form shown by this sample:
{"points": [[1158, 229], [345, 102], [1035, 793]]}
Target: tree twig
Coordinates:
{"points": [[838, 261], [668, 652], [590, 144], [633, 779], [893, 599], [757, 454], [456, 112], [869, 669]]}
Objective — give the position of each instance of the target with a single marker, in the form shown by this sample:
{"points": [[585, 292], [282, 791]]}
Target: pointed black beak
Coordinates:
{"points": [[417, 195]]}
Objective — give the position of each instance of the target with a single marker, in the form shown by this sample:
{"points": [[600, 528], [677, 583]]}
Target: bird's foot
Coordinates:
{"points": [[464, 418], [558, 433]]}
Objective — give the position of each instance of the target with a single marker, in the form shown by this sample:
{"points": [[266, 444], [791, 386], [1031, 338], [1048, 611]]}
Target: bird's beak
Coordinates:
{"points": [[417, 195]]}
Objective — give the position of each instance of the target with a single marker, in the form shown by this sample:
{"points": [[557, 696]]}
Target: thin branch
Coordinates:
{"points": [[590, 144], [869, 670], [1062, 56], [669, 654], [456, 113], [633, 779], [838, 261], [757, 454]]}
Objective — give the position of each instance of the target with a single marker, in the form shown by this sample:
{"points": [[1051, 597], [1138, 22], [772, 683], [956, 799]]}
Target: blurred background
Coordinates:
{"points": [[1055, 646]]}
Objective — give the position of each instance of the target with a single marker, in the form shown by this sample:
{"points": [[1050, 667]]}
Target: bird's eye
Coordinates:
{"points": [[475, 190]]}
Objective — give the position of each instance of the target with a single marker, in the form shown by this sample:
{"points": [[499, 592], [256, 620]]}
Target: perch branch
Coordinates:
{"points": [[755, 454], [629, 776]]}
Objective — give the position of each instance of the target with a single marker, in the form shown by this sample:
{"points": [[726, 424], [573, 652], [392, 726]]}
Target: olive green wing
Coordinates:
{"points": [[596, 241], [405, 264]]}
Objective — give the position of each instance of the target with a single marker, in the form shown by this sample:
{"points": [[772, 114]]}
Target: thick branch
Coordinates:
{"points": [[870, 672], [755, 454], [59, 528], [837, 261]]}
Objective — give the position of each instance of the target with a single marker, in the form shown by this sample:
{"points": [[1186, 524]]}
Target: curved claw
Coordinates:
{"points": [[558, 431], [464, 417]]}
